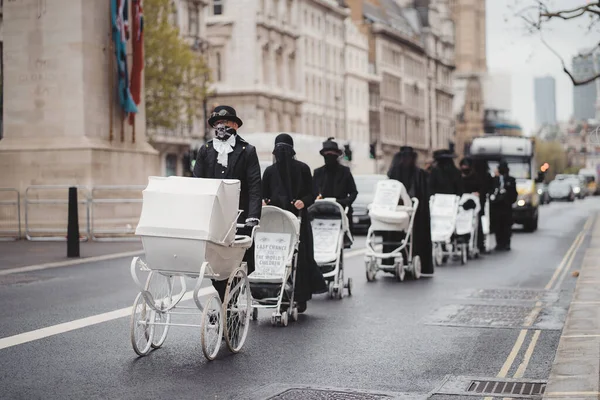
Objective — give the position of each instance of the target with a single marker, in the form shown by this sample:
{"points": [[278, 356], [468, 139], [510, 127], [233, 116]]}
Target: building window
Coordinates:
{"points": [[171, 164], [218, 7], [193, 26]]}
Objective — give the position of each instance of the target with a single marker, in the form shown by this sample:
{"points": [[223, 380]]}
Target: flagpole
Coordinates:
{"points": [[110, 73]]}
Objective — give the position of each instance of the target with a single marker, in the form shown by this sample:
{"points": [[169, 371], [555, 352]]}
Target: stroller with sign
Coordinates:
{"points": [[444, 212], [467, 225], [387, 216], [275, 254], [188, 228], [330, 226]]}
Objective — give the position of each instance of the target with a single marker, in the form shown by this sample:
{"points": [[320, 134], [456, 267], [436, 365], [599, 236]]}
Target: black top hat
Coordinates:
{"points": [[444, 153], [224, 113], [407, 150], [331, 145]]}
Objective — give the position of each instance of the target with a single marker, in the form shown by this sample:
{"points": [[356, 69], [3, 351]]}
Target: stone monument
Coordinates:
{"points": [[62, 123]]}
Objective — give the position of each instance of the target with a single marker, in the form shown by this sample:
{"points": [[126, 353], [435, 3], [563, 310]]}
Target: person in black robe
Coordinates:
{"points": [[482, 170], [501, 201], [334, 180], [287, 184], [228, 156], [404, 169], [445, 177]]}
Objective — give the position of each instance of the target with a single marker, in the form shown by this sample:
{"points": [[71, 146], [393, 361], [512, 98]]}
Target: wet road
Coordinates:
{"points": [[495, 317]]}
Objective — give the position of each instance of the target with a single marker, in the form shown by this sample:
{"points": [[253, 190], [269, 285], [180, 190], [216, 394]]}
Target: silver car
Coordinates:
{"points": [[561, 189]]}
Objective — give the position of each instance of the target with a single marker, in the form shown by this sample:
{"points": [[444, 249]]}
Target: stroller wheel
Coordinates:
{"points": [[400, 272], [349, 286], [294, 314], [371, 272], [284, 319], [330, 290], [416, 267], [274, 319], [464, 254]]}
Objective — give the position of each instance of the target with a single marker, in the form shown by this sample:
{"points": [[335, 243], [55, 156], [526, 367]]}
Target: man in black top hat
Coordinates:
{"points": [[334, 180], [501, 200], [228, 156], [404, 169], [445, 178]]}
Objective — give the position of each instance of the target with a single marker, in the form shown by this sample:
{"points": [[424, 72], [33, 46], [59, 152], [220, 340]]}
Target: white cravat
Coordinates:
{"points": [[223, 149]]}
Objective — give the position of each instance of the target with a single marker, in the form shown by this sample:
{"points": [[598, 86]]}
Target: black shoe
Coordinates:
{"points": [[301, 307]]}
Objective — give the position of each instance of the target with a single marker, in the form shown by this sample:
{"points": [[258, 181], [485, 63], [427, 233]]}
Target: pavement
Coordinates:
{"points": [[495, 323]]}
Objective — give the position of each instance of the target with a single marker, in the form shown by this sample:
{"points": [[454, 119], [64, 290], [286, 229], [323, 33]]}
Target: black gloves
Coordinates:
{"points": [[469, 205], [248, 226]]}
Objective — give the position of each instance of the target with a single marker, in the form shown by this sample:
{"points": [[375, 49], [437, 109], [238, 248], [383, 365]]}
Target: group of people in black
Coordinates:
{"points": [[289, 184]]}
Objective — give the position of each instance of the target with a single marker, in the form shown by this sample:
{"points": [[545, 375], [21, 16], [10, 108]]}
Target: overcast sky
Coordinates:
{"points": [[511, 49]]}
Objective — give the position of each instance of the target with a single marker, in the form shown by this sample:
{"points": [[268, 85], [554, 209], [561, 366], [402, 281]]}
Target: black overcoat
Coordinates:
{"points": [[343, 187], [501, 211], [242, 164], [309, 279], [416, 184], [445, 179]]}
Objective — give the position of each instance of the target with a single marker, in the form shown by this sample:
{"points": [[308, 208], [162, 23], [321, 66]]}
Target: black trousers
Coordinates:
{"points": [[480, 238], [391, 241], [502, 222]]}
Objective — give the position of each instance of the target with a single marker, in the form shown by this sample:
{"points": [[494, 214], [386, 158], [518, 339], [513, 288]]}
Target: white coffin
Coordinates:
{"points": [[190, 208]]}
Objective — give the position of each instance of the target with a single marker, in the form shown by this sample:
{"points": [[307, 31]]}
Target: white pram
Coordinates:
{"points": [[275, 254], [188, 229], [387, 216], [467, 224], [330, 225], [444, 211]]}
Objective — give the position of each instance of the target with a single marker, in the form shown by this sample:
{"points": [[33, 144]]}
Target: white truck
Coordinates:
{"points": [[518, 152]]}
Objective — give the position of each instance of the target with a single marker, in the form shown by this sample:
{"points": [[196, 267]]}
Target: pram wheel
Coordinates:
{"points": [[415, 269], [349, 286], [438, 255], [331, 290], [161, 288], [142, 331], [212, 327], [294, 314], [238, 304], [400, 271], [463, 254], [254, 314], [371, 269]]}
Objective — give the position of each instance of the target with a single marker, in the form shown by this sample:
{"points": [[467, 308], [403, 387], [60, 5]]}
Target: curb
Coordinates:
{"points": [[576, 368], [69, 263]]}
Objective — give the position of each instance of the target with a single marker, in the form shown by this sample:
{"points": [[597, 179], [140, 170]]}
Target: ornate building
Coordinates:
{"points": [[254, 48]]}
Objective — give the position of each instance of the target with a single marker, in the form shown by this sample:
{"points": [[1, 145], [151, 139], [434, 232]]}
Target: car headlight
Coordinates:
{"points": [[540, 191], [576, 189], [521, 203]]}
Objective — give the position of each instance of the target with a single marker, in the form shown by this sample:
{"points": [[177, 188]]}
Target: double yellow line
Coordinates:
{"points": [[555, 281]]}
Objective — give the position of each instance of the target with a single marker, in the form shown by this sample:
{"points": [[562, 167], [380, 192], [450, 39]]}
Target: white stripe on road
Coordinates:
{"points": [[65, 327], [59, 264]]}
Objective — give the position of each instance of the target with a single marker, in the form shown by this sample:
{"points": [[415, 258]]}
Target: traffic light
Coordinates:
{"points": [[372, 151], [347, 152], [544, 167]]}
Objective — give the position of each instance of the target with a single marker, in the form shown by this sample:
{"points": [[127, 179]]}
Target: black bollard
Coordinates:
{"points": [[73, 225]]}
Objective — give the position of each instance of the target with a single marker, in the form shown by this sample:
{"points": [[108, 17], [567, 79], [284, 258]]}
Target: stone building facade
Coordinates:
{"points": [[255, 53]]}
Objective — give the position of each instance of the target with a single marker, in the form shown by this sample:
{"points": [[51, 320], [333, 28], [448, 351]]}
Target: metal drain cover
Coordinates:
{"points": [[322, 394], [492, 387], [513, 295]]}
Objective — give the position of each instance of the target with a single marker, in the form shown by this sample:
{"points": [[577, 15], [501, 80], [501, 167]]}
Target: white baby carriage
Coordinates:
{"points": [[330, 226], [444, 211], [387, 216], [187, 226], [275, 254], [485, 225], [467, 224]]}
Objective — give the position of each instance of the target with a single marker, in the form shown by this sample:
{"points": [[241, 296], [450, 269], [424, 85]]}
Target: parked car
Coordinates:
{"points": [[366, 193], [561, 189], [542, 190], [576, 183]]}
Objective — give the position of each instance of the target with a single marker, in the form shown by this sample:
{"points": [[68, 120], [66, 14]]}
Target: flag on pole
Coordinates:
{"points": [[137, 26], [120, 33]]}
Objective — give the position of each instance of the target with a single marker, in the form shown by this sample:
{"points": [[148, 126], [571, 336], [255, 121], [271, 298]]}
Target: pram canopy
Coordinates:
{"points": [[187, 221], [385, 213], [328, 220]]}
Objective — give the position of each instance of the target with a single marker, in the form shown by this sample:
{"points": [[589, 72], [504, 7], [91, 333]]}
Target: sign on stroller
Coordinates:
{"points": [[387, 216], [330, 227], [275, 254], [188, 229]]}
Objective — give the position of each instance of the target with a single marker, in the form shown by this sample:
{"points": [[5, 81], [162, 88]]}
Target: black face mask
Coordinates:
{"points": [[466, 171], [223, 132], [330, 159]]}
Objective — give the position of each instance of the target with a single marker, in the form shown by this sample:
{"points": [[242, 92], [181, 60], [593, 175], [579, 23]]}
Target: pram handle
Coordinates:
{"points": [[240, 226]]}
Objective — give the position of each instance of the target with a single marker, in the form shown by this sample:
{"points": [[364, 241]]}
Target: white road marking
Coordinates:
{"points": [[79, 261], [94, 319]]}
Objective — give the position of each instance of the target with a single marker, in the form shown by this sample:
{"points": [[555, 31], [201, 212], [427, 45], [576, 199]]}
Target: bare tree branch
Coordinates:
{"points": [[576, 82]]}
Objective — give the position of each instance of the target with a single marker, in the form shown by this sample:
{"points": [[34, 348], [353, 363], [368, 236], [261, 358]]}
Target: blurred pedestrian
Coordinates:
{"points": [[404, 169], [445, 178], [334, 180], [501, 201], [228, 156], [482, 170], [287, 184]]}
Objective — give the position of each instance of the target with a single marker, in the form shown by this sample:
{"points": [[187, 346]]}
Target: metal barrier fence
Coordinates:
{"points": [[122, 208], [55, 226], [8, 232]]}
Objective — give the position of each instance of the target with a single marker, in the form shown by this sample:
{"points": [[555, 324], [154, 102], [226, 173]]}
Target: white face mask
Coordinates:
{"points": [[223, 132]]}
